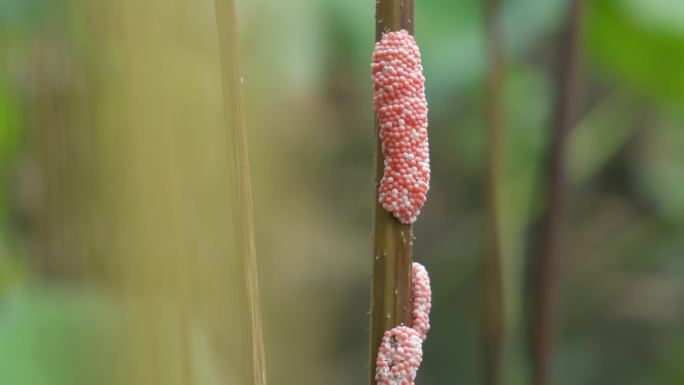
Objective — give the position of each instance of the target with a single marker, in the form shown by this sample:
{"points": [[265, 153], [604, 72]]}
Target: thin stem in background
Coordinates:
{"points": [[493, 314], [392, 240], [243, 217], [542, 277]]}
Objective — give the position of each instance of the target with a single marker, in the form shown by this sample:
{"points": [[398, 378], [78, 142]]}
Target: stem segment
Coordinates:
{"points": [[492, 280], [544, 255], [254, 355], [392, 240]]}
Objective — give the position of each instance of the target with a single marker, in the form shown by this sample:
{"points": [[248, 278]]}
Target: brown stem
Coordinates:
{"points": [[392, 240], [493, 296], [255, 358], [544, 254]]}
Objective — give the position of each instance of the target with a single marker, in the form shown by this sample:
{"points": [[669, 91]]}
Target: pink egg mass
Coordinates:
{"points": [[401, 350], [399, 357], [422, 299], [401, 107]]}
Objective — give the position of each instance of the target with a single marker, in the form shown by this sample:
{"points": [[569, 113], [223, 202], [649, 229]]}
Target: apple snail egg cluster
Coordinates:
{"points": [[422, 299], [401, 350], [399, 357], [401, 107]]}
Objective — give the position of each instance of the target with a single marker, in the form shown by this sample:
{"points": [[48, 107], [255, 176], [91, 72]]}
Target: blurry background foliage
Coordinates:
{"points": [[115, 250]]}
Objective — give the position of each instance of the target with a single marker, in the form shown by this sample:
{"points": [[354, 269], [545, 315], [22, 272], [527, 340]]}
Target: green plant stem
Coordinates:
{"points": [[255, 358], [493, 314], [542, 278], [392, 240]]}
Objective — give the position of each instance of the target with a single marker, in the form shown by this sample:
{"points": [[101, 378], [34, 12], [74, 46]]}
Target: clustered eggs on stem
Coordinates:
{"points": [[401, 107], [401, 350]]}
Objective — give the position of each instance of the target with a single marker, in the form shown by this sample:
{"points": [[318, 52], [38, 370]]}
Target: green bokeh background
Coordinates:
{"points": [[310, 121]]}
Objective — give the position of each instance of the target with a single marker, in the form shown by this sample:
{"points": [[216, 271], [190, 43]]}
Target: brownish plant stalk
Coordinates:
{"points": [[243, 217], [392, 241], [493, 313], [542, 275]]}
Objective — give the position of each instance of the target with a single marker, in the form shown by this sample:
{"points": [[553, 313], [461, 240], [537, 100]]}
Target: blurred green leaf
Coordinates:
{"points": [[645, 56], [598, 137], [659, 167], [666, 15], [54, 337]]}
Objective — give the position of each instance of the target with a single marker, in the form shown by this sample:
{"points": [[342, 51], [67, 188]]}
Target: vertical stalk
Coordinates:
{"points": [[255, 358], [544, 255], [392, 240], [492, 280]]}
